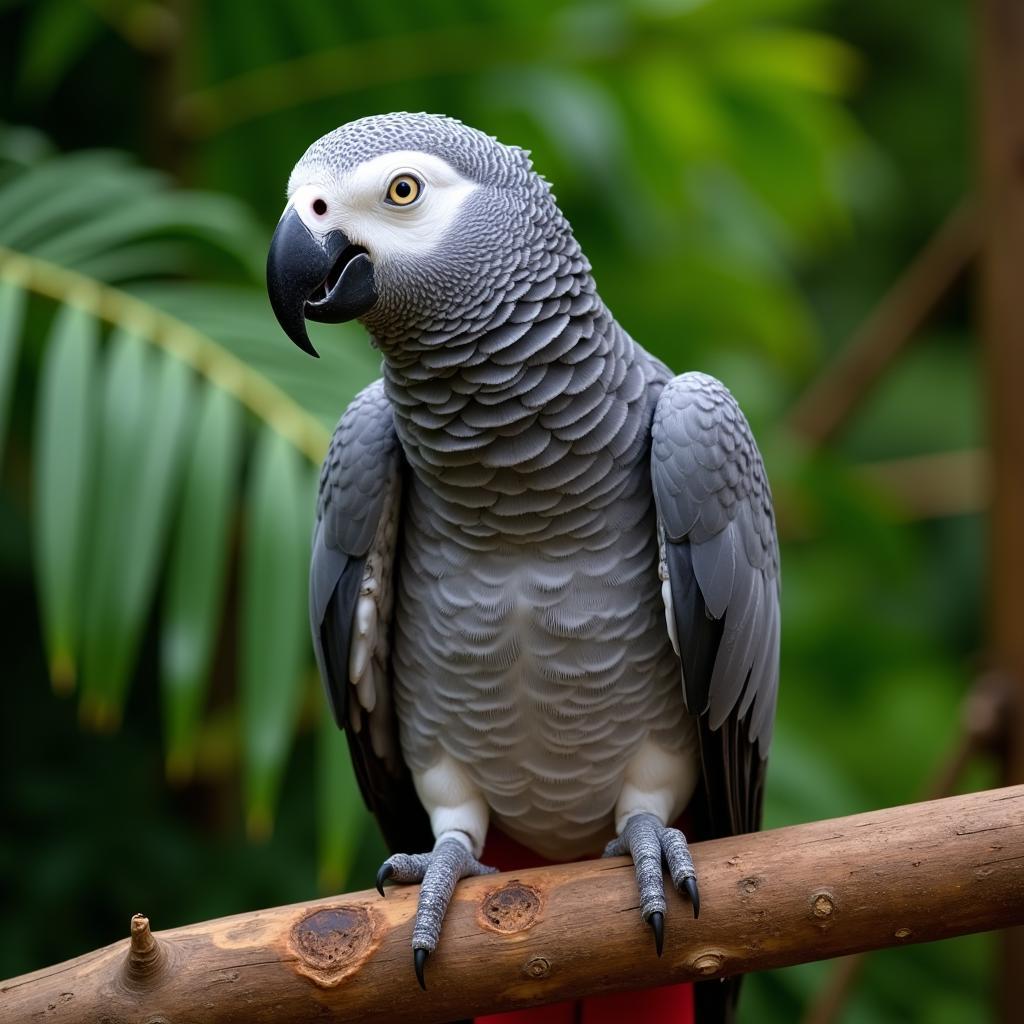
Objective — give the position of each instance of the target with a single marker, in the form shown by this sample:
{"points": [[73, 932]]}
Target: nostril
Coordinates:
{"points": [[319, 207]]}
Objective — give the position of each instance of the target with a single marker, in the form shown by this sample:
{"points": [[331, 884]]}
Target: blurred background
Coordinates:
{"points": [[750, 179]]}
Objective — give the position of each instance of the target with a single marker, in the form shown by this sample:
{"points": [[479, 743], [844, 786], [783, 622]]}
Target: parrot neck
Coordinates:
{"points": [[532, 416]]}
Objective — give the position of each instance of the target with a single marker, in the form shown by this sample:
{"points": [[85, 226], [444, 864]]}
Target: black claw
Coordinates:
{"points": [[691, 889], [657, 923], [419, 959], [385, 872]]}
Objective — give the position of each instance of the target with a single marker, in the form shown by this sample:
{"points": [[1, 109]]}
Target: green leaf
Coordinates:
{"points": [[136, 260], [215, 218], [195, 589], [240, 322], [81, 210], [341, 815], [147, 400], [21, 145], [64, 457], [249, 356], [275, 634], [42, 200], [12, 315]]}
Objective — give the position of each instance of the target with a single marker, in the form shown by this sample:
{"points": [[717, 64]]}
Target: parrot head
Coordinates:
{"points": [[412, 223]]}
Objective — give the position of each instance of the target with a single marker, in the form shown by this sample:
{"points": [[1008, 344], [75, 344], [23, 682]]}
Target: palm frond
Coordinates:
{"points": [[172, 421]]}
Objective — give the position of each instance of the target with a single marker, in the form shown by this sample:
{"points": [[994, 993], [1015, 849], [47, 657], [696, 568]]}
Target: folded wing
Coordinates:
{"points": [[351, 597], [720, 567]]}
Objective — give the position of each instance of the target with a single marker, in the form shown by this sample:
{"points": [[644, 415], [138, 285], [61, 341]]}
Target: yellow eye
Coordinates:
{"points": [[403, 190]]}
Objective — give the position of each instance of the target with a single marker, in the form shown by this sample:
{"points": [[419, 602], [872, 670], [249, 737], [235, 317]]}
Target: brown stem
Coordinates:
{"points": [[831, 398]]}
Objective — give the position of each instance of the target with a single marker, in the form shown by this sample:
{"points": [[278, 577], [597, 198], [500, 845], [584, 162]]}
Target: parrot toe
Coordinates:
{"points": [[680, 866], [385, 872], [657, 923], [419, 961], [691, 891], [649, 842], [437, 872]]}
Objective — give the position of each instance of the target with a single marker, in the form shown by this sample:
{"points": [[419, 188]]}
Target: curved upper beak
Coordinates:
{"points": [[311, 277]]}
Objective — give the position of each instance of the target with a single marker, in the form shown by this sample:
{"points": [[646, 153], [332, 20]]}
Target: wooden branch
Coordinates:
{"points": [[832, 397], [982, 724], [808, 892]]}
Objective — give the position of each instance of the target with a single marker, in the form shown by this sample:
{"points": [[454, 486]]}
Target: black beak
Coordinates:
{"points": [[327, 279]]}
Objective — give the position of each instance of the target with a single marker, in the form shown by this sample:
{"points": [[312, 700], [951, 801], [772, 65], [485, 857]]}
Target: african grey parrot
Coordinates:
{"points": [[544, 588]]}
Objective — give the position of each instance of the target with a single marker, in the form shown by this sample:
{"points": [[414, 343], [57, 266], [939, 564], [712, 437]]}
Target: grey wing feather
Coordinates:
{"points": [[719, 555], [351, 587]]}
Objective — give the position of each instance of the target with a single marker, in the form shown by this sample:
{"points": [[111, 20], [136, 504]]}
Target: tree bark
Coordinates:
{"points": [[809, 892], [1001, 136]]}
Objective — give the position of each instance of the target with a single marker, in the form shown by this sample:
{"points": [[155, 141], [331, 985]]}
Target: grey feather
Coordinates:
{"points": [[713, 500]]}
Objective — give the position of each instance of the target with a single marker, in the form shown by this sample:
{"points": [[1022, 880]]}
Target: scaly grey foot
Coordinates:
{"points": [[437, 872], [647, 841]]}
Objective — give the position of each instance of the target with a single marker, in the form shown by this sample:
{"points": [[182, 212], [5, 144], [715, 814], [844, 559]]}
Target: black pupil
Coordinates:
{"points": [[403, 189], [319, 207]]}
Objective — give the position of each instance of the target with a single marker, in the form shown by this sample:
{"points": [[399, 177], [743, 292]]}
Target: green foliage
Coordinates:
{"points": [[340, 812], [746, 176], [277, 513], [192, 615], [103, 216], [144, 410], [65, 455], [139, 437], [12, 309]]}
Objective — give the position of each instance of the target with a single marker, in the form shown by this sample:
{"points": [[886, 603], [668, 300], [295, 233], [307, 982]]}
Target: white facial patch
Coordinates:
{"points": [[356, 204]]}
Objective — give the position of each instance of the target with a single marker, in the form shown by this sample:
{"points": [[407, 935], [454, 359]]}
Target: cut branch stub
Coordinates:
{"points": [[146, 957]]}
